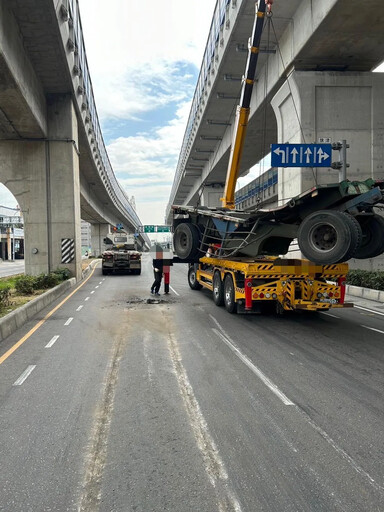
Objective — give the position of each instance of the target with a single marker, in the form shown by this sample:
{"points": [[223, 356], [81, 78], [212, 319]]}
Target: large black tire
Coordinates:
{"points": [[373, 237], [328, 237], [217, 291], [104, 271], [186, 241], [192, 280], [356, 236], [229, 294]]}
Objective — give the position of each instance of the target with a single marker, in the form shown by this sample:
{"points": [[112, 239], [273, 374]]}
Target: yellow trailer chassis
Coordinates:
{"points": [[285, 284]]}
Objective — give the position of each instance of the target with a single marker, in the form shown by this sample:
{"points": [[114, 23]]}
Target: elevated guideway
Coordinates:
{"points": [[54, 158], [320, 54]]}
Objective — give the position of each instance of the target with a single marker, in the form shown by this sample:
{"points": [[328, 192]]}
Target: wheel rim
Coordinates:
{"points": [[216, 286], [229, 293], [192, 277], [323, 237]]}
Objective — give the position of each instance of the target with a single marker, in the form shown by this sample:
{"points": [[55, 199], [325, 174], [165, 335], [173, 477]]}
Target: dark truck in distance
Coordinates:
{"points": [[332, 223], [121, 256]]}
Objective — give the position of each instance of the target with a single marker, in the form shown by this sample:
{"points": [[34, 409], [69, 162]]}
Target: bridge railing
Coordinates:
{"points": [[217, 26], [118, 194]]}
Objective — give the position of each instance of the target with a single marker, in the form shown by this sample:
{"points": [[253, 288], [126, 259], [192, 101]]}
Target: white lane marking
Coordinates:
{"points": [[370, 310], [255, 370], [53, 340], [372, 329], [329, 314], [101, 282], [86, 298], [214, 465], [69, 321], [226, 338], [93, 291], [97, 286], [340, 450], [80, 307], [24, 375], [174, 291]]}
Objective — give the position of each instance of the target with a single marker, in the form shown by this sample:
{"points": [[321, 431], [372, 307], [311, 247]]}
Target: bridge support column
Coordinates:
{"points": [[98, 233], [43, 175], [337, 105]]}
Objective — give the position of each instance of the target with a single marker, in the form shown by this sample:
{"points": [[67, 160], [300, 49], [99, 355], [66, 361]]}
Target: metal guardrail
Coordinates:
{"points": [[217, 26], [118, 194]]}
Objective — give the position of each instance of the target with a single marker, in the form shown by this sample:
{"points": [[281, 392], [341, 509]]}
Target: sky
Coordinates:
{"points": [[144, 60]]}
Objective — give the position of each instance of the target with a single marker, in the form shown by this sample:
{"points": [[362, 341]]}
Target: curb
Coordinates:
{"points": [[11, 322], [16, 319], [365, 293]]}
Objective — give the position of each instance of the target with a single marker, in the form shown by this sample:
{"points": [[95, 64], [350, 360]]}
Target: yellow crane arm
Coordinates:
{"points": [[242, 113]]}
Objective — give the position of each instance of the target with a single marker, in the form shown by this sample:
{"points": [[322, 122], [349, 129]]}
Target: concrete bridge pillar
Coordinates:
{"points": [[336, 105], [98, 233], [43, 175]]}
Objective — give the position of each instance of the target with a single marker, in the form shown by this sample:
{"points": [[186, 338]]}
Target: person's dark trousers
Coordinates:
{"points": [[157, 282]]}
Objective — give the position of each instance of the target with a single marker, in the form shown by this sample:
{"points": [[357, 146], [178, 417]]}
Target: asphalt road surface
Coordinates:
{"points": [[10, 268], [111, 403]]}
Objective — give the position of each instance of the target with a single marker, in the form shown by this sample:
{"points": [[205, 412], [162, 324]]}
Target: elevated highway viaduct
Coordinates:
{"points": [[52, 154], [314, 79]]}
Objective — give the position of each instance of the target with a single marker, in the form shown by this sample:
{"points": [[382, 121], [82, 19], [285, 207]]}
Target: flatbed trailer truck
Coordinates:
{"points": [[270, 284]]}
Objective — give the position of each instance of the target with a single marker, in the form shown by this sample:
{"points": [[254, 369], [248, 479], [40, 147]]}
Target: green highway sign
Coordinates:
{"points": [[163, 229], [149, 228]]}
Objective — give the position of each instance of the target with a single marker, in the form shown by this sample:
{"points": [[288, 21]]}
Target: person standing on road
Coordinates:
{"points": [[158, 273]]}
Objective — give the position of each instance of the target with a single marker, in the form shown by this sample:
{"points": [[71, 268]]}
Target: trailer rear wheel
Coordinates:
{"points": [[192, 279], [217, 291], [328, 237], [373, 237], [186, 241], [229, 294]]}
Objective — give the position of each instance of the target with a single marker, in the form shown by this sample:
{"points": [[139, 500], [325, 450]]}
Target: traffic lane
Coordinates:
{"points": [[335, 377], [32, 343], [46, 421], [153, 462], [278, 457]]}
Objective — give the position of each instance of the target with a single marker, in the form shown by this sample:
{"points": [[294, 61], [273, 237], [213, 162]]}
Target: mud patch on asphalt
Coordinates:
{"points": [[135, 302]]}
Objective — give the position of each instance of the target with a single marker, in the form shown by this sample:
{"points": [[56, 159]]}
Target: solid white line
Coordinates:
{"points": [[68, 321], [24, 375], [370, 310], [53, 340], [373, 329], [174, 291], [93, 291], [329, 314], [227, 340], [86, 298], [80, 307]]}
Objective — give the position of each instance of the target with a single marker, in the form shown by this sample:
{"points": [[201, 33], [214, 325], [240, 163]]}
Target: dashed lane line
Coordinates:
{"points": [[9, 352], [26, 373], [372, 329], [52, 341]]}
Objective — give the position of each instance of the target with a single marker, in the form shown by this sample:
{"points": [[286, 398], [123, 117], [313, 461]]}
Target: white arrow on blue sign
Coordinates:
{"points": [[301, 155]]}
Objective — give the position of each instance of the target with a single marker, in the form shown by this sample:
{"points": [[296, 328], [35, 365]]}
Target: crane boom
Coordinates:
{"points": [[242, 112]]}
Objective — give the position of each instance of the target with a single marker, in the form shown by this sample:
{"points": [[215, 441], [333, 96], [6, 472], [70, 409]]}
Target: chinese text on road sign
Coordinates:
{"points": [[301, 155]]}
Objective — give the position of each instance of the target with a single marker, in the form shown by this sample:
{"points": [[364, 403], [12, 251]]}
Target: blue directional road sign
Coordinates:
{"points": [[301, 155]]}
